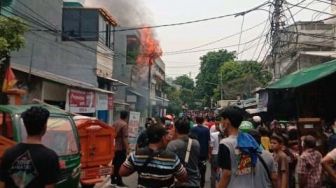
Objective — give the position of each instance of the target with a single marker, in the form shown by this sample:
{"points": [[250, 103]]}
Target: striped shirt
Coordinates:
{"points": [[159, 172]]}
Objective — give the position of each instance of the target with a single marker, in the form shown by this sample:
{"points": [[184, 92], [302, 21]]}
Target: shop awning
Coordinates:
{"points": [[331, 54], [119, 83], [135, 92], [58, 78], [305, 76]]}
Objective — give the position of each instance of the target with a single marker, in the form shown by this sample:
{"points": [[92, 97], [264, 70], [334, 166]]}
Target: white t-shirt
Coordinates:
{"points": [[214, 142], [332, 154]]}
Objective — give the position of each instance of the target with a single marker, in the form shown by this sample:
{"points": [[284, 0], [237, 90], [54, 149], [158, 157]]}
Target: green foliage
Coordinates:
{"points": [[185, 82], [11, 35], [175, 103], [240, 78], [208, 78]]}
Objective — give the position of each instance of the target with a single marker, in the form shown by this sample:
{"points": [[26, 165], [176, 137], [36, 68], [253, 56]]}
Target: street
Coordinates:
{"points": [[131, 181]]}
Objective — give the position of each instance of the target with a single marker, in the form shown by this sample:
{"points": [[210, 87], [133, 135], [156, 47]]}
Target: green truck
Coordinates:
{"points": [[61, 136]]}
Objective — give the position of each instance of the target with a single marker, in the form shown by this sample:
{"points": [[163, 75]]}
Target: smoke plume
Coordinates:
{"points": [[128, 13]]}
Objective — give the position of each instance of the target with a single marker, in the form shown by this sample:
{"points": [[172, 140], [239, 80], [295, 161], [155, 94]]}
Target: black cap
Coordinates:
{"points": [[155, 133]]}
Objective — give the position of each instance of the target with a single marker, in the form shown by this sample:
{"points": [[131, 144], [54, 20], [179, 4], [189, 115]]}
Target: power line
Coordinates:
{"points": [[197, 21], [45, 20], [265, 28], [241, 32], [218, 40], [234, 45], [310, 9]]}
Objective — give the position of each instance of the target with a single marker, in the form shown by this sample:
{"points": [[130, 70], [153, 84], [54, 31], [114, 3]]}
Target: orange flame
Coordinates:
{"points": [[149, 47]]}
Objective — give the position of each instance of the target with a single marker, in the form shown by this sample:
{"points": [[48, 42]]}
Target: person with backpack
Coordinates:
{"points": [[188, 150], [240, 157], [156, 166]]}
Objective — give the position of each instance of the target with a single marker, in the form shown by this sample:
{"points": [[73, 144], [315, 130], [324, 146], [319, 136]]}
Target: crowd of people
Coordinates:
{"points": [[242, 152], [174, 152]]}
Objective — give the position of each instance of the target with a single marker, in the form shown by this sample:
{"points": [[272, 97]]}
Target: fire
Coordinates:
{"points": [[149, 47]]}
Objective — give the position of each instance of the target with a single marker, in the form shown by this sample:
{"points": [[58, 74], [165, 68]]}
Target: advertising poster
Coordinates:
{"points": [[81, 101], [133, 128]]}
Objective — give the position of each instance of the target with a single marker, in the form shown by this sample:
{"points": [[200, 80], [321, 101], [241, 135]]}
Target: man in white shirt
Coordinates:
{"points": [[214, 144], [328, 163]]}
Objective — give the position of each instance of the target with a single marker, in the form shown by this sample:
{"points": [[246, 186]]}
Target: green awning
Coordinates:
{"points": [[305, 76]]}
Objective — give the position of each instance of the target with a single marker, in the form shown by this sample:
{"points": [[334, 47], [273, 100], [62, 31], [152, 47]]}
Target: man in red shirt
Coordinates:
{"points": [[121, 147]]}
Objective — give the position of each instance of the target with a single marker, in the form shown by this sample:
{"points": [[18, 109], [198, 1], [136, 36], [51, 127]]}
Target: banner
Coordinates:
{"points": [[9, 80], [102, 103], [133, 128], [80, 101]]}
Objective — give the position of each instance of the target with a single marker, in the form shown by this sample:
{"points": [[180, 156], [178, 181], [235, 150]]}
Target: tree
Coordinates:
{"points": [[173, 95], [240, 78], [185, 82], [208, 78], [11, 35], [11, 38]]}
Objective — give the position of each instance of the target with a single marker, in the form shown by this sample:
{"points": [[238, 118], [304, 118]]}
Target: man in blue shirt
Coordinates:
{"points": [[202, 134]]}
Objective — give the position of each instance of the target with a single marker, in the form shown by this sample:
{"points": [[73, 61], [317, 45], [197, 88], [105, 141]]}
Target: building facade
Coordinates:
{"points": [[68, 57], [300, 46]]}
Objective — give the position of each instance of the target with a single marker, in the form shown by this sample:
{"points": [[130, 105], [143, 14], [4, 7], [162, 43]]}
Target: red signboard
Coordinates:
{"points": [[110, 101], [81, 101]]}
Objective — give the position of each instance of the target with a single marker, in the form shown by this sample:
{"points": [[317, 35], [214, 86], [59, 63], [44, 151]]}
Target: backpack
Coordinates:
{"points": [[142, 140]]}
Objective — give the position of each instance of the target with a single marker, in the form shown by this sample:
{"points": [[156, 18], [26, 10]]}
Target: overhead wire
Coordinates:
{"points": [[197, 21], [41, 18], [241, 32], [217, 48], [53, 29], [327, 13], [221, 39], [265, 28]]}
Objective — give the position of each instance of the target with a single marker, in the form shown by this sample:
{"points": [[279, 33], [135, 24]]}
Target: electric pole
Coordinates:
{"points": [[275, 36]]}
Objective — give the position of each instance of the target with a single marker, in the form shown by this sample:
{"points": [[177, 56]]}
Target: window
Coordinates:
{"points": [[132, 50], [71, 23], [59, 136], [80, 24], [89, 24]]}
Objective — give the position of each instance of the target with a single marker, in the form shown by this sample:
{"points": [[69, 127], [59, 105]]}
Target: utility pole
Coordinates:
{"points": [[150, 63], [221, 86], [275, 36]]}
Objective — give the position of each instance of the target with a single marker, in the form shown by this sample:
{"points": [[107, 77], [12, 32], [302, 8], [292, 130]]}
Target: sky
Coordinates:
{"points": [[188, 36]]}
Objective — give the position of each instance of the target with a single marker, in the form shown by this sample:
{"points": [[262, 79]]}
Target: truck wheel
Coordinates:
{"points": [[88, 186]]}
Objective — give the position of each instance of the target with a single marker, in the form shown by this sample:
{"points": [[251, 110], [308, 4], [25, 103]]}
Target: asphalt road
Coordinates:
{"points": [[131, 181]]}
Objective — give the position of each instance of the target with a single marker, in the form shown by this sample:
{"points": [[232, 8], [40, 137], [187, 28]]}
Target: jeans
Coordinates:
{"points": [[214, 174], [202, 169], [119, 158]]}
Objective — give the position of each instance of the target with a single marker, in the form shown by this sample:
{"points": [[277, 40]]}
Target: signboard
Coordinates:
{"points": [[133, 128], [263, 100], [102, 102], [81, 101], [110, 100], [131, 98]]}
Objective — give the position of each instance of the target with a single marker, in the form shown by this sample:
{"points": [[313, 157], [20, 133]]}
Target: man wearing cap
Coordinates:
{"points": [[156, 167]]}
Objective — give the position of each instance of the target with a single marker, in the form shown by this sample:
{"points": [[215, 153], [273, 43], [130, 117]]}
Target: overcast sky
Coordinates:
{"points": [[188, 36]]}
